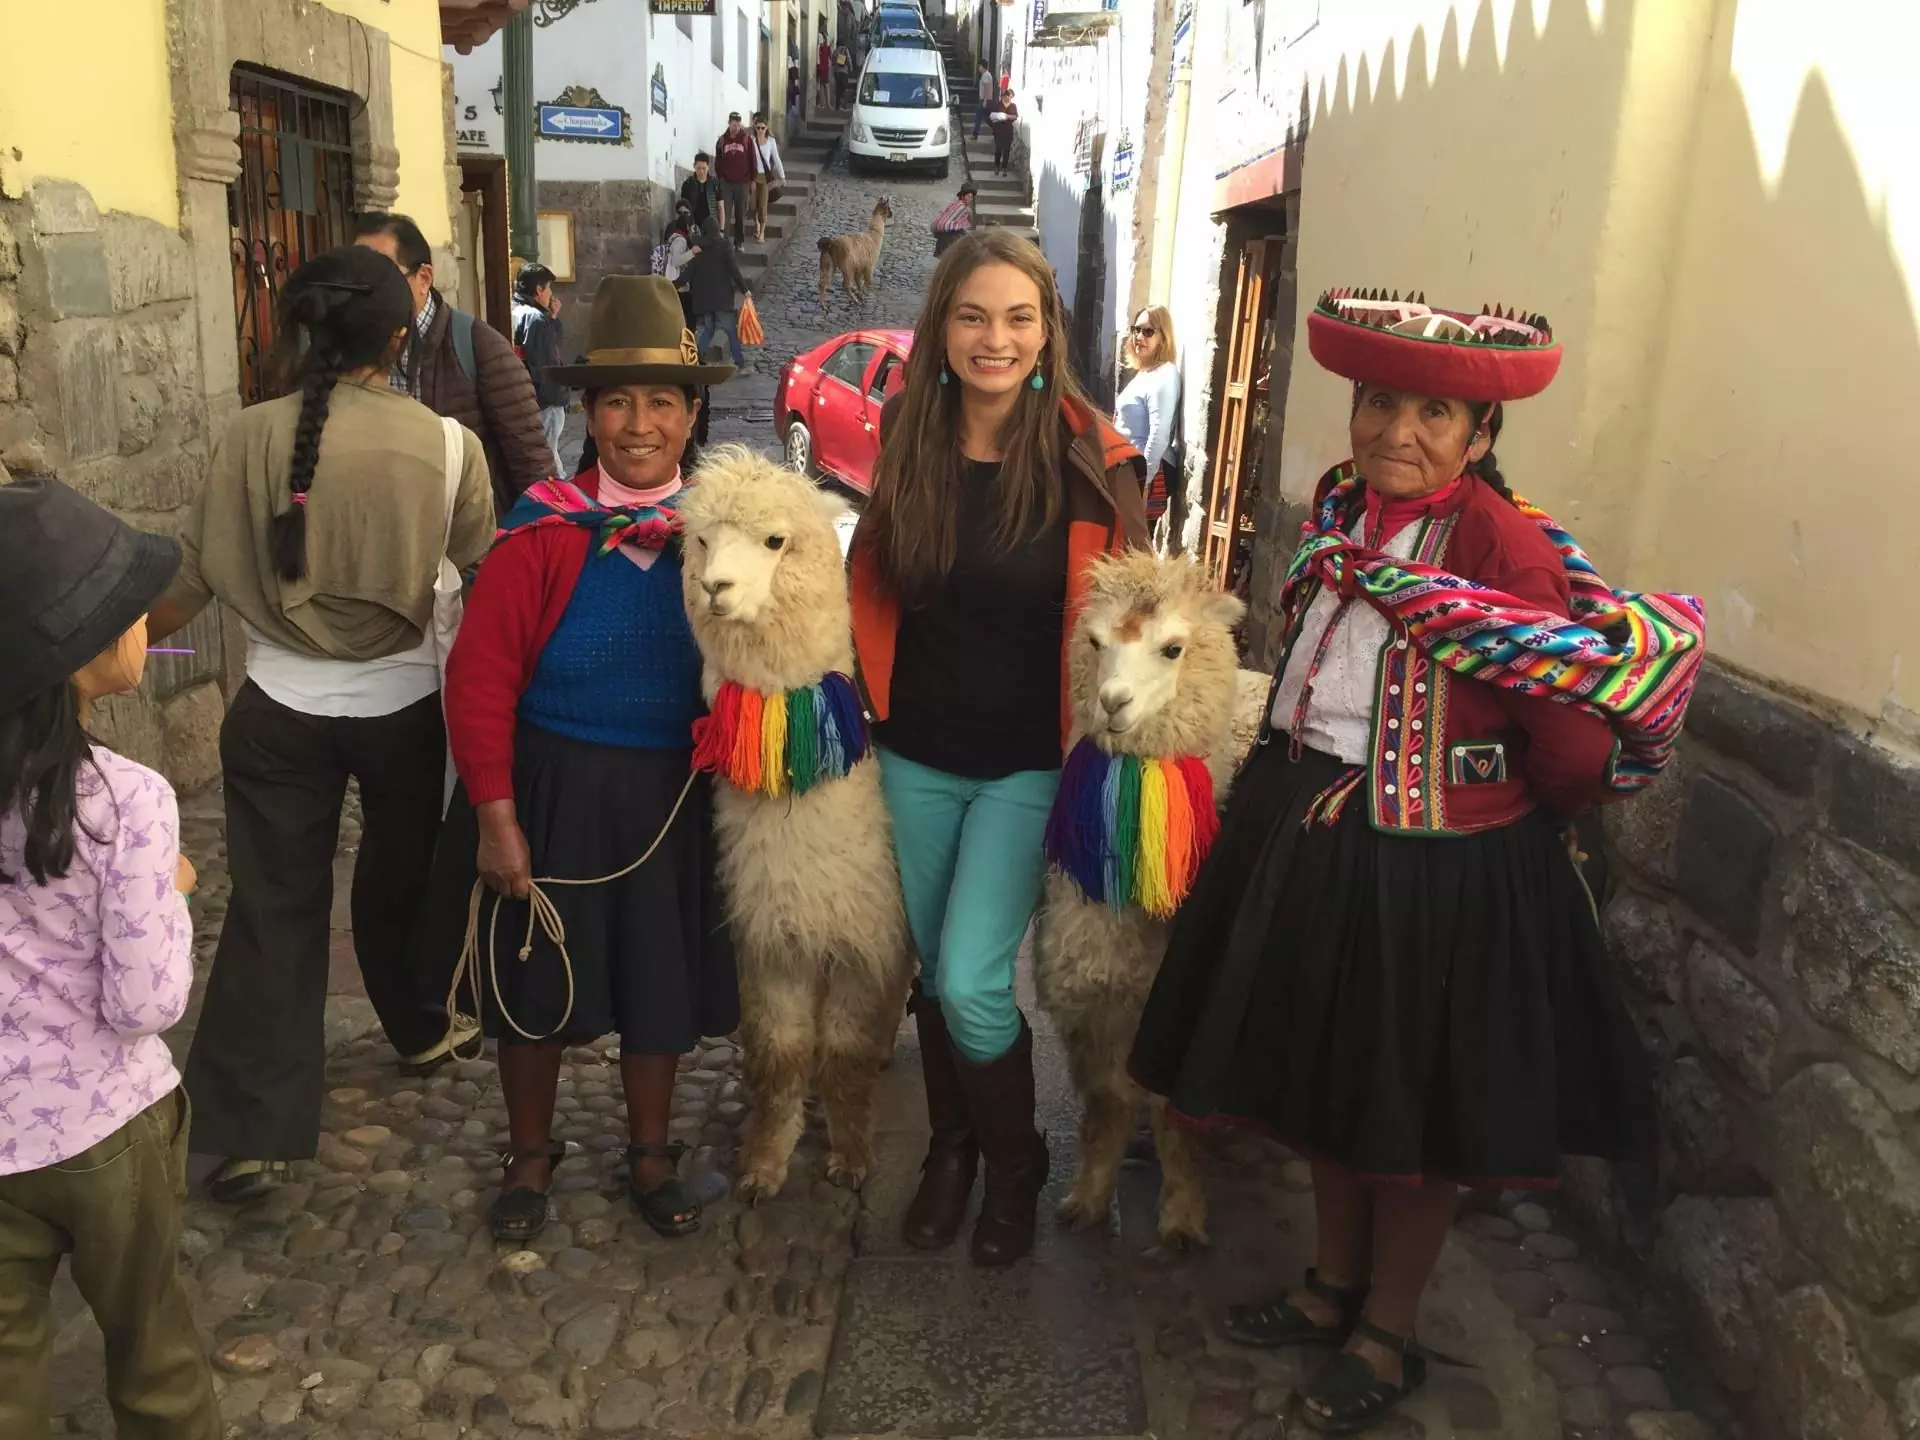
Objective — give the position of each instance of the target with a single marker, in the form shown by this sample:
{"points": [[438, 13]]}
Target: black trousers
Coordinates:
{"points": [[257, 1067]]}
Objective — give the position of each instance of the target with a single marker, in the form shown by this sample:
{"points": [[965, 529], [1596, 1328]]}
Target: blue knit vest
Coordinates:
{"points": [[620, 668]]}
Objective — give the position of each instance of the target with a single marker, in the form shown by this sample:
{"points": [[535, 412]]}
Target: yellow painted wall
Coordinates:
{"points": [[1793, 363], [75, 106], [84, 96], [1714, 202], [419, 124]]}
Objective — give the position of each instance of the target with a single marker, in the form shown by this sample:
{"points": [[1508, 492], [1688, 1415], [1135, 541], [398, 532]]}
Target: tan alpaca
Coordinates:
{"points": [[813, 891], [854, 256], [1153, 673]]}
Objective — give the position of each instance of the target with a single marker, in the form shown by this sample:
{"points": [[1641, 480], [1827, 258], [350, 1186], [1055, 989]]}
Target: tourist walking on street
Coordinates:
{"points": [[462, 369], [572, 694], [96, 949], [734, 163], [714, 282], [1149, 406], [954, 221], [701, 191], [768, 169], [1005, 116], [536, 334], [996, 484], [842, 75], [794, 83], [822, 70], [1390, 961], [678, 238], [321, 529], [988, 90]]}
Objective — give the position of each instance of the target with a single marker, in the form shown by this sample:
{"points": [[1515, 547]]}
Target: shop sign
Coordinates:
{"points": [[684, 7], [1122, 166], [658, 102]]}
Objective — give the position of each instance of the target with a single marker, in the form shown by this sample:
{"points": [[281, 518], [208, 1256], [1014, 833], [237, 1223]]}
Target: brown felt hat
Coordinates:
{"points": [[638, 336]]}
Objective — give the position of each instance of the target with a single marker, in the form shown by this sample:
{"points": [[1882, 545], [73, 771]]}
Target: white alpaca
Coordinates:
{"points": [[812, 886], [1154, 674]]}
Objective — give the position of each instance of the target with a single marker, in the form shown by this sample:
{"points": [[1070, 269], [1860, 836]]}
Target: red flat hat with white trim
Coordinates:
{"points": [[1410, 345]]}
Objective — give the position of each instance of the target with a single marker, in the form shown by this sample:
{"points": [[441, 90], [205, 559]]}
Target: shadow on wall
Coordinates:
{"points": [[1733, 340]]}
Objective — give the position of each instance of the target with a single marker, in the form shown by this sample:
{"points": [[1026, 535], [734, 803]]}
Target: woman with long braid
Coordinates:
{"points": [[321, 527]]}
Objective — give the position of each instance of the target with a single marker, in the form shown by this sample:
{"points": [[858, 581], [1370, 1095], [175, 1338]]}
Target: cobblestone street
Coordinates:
{"points": [[367, 1298]]}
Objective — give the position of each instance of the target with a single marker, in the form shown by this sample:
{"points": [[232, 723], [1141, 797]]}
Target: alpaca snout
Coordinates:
{"points": [[719, 595], [1116, 700]]}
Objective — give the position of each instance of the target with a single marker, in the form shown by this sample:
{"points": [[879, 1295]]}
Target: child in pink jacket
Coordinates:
{"points": [[96, 960]]}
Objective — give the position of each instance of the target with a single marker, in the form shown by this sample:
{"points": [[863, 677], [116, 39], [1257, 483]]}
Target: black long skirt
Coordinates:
{"points": [[649, 954], [1402, 1007]]}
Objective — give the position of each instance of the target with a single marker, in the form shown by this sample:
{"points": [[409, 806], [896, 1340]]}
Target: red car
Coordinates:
{"points": [[827, 405]]}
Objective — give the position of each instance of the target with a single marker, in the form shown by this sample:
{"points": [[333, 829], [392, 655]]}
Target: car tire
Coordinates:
{"points": [[946, 168], [799, 447]]}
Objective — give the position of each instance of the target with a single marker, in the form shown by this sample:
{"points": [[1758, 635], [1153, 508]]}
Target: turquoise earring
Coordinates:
{"points": [[943, 372], [1039, 381]]}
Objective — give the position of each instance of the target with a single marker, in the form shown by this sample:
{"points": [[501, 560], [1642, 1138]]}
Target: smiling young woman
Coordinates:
{"points": [[996, 483]]}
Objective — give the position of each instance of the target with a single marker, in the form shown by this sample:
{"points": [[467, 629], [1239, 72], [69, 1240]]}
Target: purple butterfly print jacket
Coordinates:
{"points": [[94, 965]]}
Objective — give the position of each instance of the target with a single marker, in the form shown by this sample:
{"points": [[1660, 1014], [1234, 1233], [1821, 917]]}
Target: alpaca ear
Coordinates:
{"points": [[1221, 608], [831, 505]]}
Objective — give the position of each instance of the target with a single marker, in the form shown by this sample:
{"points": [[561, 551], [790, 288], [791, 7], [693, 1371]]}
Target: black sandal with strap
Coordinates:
{"points": [[1278, 1323], [670, 1207], [519, 1212], [1349, 1397]]}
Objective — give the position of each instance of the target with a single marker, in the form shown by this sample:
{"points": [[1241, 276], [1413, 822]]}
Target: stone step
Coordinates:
{"points": [[1003, 214]]}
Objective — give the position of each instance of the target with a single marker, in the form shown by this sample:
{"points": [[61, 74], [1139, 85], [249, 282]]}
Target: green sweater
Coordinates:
{"points": [[375, 521]]}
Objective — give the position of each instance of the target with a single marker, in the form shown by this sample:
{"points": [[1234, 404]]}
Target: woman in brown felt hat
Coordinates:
{"points": [[571, 697]]}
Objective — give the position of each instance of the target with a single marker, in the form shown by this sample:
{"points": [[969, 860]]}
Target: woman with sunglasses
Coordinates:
{"points": [[1150, 405]]}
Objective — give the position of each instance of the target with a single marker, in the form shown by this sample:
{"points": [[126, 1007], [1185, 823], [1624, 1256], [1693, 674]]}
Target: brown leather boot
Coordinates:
{"points": [[1000, 1102], [946, 1176]]}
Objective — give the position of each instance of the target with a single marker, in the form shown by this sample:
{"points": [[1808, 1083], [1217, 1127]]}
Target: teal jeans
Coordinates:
{"points": [[971, 864]]}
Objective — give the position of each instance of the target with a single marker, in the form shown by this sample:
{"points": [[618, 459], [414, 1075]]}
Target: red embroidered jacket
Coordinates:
{"points": [[1450, 756]]}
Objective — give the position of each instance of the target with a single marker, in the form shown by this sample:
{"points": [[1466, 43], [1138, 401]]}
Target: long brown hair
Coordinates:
{"points": [[910, 521]]}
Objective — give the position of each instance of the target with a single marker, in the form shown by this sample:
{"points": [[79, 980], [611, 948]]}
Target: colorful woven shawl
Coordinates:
{"points": [[1130, 830], [1633, 659], [561, 502], [783, 744]]}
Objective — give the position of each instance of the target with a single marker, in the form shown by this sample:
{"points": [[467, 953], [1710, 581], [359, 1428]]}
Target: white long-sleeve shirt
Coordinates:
{"points": [[768, 160], [1146, 412]]}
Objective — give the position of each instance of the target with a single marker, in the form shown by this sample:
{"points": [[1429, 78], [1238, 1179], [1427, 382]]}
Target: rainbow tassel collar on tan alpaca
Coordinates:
{"points": [[782, 744], [1128, 829]]}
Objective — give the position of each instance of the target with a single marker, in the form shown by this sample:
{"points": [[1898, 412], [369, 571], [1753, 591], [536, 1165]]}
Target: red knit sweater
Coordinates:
{"points": [[517, 600]]}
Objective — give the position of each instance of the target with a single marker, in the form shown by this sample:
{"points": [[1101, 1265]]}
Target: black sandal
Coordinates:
{"points": [[670, 1207], [1277, 1323], [1352, 1398], [519, 1212], [234, 1182]]}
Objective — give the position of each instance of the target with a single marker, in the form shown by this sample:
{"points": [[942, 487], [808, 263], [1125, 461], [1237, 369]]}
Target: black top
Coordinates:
{"points": [[713, 276], [976, 671]]}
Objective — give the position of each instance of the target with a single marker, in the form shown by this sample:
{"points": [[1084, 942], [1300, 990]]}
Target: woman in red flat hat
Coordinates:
{"points": [[1390, 961]]}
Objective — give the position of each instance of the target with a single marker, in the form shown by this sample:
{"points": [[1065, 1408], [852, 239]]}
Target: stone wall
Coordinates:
{"points": [[100, 384], [1762, 908], [616, 224]]}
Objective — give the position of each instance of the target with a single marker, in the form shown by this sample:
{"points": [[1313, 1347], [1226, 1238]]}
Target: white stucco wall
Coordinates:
{"points": [[613, 46]]}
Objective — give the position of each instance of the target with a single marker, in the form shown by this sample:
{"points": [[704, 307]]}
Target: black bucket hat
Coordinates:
{"points": [[73, 578]]}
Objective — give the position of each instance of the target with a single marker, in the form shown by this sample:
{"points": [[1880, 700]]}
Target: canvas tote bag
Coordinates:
{"points": [[448, 602]]}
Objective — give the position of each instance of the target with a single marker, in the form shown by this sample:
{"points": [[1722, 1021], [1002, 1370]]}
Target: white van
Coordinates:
{"points": [[900, 115]]}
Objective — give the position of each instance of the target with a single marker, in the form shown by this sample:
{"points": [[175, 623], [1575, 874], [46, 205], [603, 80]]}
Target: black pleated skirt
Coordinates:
{"points": [[650, 957], [1402, 1007]]}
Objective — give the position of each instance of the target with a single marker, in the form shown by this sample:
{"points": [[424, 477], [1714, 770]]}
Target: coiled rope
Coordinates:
{"points": [[541, 911]]}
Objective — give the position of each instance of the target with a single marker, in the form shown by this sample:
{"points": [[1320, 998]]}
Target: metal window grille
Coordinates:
{"points": [[292, 200]]}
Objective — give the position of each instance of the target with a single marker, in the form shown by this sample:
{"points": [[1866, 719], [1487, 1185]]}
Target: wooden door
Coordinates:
{"points": [[1239, 440]]}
